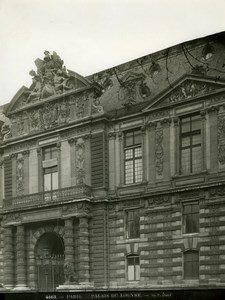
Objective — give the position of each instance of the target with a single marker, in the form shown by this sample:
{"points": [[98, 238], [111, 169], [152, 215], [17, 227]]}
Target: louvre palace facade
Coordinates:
{"points": [[116, 181]]}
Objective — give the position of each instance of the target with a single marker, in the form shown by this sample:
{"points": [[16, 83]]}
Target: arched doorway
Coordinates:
{"points": [[49, 261]]}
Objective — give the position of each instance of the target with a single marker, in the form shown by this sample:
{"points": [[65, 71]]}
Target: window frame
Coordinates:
{"points": [[127, 231], [135, 270], [187, 262], [134, 158], [50, 170], [184, 226], [191, 133]]}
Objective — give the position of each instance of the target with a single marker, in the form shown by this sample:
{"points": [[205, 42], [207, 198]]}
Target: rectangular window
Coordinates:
{"points": [[132, 224], [190, 144], [133, 268], [133, 157], [50, 168], [190, 218], [191, 265]]}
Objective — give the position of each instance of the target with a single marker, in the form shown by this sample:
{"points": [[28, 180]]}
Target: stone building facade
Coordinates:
{"points": [[116, 180]]}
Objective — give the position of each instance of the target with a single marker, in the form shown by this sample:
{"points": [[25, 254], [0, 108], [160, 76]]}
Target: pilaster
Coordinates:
{"points": [[84, 259], [8, 257], [68, 241], [20, 258]]}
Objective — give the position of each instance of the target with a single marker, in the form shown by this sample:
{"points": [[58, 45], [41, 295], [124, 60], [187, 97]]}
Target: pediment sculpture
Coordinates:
{"points": [[51, 78]]}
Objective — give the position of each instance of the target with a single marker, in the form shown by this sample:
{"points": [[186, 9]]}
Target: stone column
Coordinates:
{"points": [[8, 257], [31, 268], [83, 261], [68, 241], [20, 258]]}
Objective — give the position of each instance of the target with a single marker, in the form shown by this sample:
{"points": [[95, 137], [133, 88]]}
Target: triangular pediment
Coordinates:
{"points": [[20, 100], [187, 88], [51, 80]]}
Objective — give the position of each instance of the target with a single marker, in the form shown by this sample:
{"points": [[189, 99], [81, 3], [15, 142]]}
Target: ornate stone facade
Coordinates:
{"points": [[70, 219]]}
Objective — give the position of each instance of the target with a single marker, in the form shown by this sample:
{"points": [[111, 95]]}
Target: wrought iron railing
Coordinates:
{"points": [[60, 195]]}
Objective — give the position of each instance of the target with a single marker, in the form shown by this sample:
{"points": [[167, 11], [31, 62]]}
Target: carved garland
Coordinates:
{"points": [[221, 139], [20, 175], [80, 158], [159, 151]]}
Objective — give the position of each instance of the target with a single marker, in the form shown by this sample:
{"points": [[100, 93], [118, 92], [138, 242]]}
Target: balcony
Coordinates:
{"points": [[49, 197]]}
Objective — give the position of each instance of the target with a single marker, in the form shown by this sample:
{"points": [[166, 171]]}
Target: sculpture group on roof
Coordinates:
{"points": [[50, 79]]}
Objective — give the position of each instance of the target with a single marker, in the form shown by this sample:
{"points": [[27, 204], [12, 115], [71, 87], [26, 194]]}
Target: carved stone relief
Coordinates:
{"points": [[11, 218], [20, 175], [76, 208], [159, 200], [159, 151], [133, 88], [221, 138], [51, 78], [190, 89], [80, 159]]}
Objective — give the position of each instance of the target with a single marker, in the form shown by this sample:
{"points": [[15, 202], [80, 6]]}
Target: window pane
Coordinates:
{"points": [[191, 218], [133, 224], [137, 137], [188, 223], [138, 170], [129, 154], [133, 268], [196, 139], [185, 142], [196, 159], [191, 264], [185, 125], [185, 161], [195, 223], [47, 182], [195, 122], [129, 178], [128, 139], [138, 152], [55, 184], [130, 272]]}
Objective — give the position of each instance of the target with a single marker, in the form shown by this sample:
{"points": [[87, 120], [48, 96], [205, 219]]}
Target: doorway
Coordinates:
{"points": [[49, 262]]}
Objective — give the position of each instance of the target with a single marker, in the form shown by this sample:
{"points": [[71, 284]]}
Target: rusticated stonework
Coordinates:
{"points": [[159, 151], [221, 139]]}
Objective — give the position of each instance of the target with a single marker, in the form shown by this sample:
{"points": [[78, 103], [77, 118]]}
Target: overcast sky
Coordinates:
{"points": [[93, 35]]}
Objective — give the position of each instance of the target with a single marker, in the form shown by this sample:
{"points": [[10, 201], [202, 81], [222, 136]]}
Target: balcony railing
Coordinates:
{"points": [[54, 196]]}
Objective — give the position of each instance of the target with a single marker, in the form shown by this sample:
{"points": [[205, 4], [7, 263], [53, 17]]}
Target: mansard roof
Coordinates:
{"points": [[180, 73]]}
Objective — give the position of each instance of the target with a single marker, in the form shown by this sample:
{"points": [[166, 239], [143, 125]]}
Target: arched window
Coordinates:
{"points": [[133, 268], [191, 264]]}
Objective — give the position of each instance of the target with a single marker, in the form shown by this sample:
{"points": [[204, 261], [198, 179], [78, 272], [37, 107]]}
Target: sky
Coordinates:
{"points": [[93, 35]]}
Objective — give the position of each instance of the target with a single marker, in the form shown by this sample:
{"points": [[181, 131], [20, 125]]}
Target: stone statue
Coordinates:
{"points": [[69, 273], [51, 78], [35, 93]]}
